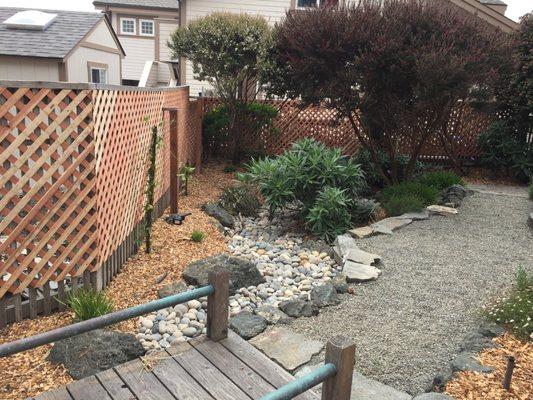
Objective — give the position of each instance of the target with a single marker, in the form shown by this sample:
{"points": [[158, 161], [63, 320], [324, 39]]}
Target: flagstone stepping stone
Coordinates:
{"points": [[433, 396], [272, 315], [342, 244], [364, 388], [361, 233], [415, 216], [362, 257], [356, 272], [388, 225], [286, 347], [441, 210]]}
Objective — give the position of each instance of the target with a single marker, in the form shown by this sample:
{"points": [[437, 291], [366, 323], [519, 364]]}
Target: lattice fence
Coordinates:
{"points": [[295, 122], [73, 165]]}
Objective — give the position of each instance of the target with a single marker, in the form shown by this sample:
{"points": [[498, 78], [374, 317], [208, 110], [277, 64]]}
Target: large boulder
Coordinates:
{"points": [[172, 289], [247, 325], [454, 195], [220, 214], [467, 362], [243, 273], [92, 352], [324, 295], [299, 308], [272, 315]]}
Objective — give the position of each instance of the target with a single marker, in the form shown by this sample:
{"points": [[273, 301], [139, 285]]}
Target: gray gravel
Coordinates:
{"points": [[436, 276]]}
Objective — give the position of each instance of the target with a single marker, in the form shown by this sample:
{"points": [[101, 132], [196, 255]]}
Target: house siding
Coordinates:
{"points": [[166, 29], [28, 69], [272, 10], [77, 65], [138, 51]]}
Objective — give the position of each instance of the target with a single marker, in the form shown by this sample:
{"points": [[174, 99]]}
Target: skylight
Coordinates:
{"points": [[30, 19]]}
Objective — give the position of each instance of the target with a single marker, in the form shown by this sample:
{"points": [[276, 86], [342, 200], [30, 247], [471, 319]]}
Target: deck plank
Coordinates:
{"points": [[87, 389], [57, 394], [142, 382], [239, 373], [116, 388], [179, 382], [205, 373], [268, 369]]}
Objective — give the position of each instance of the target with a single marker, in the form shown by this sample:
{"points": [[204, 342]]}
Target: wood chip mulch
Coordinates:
{"points": [[28, 374], [471, 385]]}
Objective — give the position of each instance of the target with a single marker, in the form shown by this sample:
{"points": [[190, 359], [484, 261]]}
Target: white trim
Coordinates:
{"points": [[151, 21], [134, 26]]}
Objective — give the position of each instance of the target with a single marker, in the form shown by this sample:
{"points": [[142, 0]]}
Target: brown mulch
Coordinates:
{"points": [[481, 176], [28, 374], [471, 385]]}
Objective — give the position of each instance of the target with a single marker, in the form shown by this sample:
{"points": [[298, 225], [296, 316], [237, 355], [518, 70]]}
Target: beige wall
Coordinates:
{"points": [[77, 65], [138, 51], [28, 69]]}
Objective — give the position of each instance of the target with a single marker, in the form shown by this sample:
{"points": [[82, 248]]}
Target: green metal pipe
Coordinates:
{"points": [[303, 384], [31, 342]]}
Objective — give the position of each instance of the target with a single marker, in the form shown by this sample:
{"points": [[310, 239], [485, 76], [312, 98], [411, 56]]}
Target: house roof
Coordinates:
{"points": [[56, 41], [153, 4], [493, 2]]}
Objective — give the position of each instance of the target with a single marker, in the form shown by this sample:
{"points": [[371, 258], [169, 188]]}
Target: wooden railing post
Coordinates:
{"points": [[217, 306], [340, 351], [174, 162]]}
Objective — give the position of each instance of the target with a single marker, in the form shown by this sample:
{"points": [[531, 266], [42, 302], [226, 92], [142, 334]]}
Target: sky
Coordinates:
{"points": [[515, 9]]}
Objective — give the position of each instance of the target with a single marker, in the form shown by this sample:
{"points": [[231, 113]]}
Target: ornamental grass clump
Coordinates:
{"points": [[440, 180], [407, 197], [198, 236], [320, 179], [240, 199], [515, 311], [87, 304]]}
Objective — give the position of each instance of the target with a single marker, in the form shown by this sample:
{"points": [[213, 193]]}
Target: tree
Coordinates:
{"points": [[228, 51], [394, 68]]}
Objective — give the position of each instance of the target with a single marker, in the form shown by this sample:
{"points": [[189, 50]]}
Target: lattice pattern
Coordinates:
{"points": [[47, 186], [323, 124]]}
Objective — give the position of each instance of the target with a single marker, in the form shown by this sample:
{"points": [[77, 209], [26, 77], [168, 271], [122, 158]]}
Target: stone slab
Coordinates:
{"points": [[415, 216], [433, 396], [361, 233], [441, 210], [344, 243], [287, 348], [368, 389], [356, 272], [388, 225], [362, 257]]}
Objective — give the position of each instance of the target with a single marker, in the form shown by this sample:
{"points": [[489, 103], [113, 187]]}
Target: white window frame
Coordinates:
{"points": [[122, 32], [151, 21], [100, 69], [306, 8]]}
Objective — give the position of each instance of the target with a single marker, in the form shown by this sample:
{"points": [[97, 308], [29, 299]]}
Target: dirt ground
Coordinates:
{"points": [[28, 374]]}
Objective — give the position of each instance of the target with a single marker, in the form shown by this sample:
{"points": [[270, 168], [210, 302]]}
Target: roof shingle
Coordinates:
{"points": [[158, 4], [56, 41]]}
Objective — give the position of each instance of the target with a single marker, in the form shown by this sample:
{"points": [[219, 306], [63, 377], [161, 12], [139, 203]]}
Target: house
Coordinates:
{"points": [[58, 46], [143, 28], [491, 11]]}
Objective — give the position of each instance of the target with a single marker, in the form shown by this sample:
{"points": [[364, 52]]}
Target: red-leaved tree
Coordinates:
{"points": [[394, 68]]}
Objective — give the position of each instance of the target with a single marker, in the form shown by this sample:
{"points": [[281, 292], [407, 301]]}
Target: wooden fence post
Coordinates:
{"points": [[217, 306], [340, 351], [174, 162]]}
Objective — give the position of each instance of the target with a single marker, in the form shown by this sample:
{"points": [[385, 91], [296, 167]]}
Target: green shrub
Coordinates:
{"points": [[240, 199], [302, 174], [440, 180], [362, 210], [228, 169], [88, 304], [198, 236], [503, 152], [515, 311], [407, 197]]}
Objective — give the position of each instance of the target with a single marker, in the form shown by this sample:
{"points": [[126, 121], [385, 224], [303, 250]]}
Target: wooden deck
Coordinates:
{"points": [[231, 369]]}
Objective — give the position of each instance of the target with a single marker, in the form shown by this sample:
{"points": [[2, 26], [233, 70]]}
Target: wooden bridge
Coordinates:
{"points": [[219, 366]]}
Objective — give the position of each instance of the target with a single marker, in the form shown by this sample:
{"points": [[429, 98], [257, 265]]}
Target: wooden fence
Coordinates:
{"points": [[458, 139], [73, 162]]}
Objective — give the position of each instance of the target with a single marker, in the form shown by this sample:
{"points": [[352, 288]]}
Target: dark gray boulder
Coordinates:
{"points": [[454, 195], [299, 308], [467, 362], [172, 289], [272, 315], [324, 295], [247, 325], [340, 284], [491, 330], [243, 273], [441, 379], [220, 214], [92, 352]]}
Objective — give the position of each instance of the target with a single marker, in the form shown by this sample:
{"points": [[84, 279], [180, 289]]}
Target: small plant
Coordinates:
{"points": [[515, 311], [440, 180], [185, 176], [150, 187], [240, 199], [407, 197], [229, 169], [198, 236], [88, 304]]}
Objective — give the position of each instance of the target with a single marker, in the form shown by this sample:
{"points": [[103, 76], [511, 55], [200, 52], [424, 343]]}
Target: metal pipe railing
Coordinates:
{"points": [[302, 384], [31, 342]]}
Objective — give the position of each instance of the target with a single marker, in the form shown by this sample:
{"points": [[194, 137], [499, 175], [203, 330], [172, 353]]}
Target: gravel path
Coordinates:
{"points": [[436, 275]]}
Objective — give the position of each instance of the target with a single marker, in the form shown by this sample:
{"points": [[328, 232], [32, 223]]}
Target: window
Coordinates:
{"points": [[307, 3], [127, 26], [147, 28], [98, 75]]}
